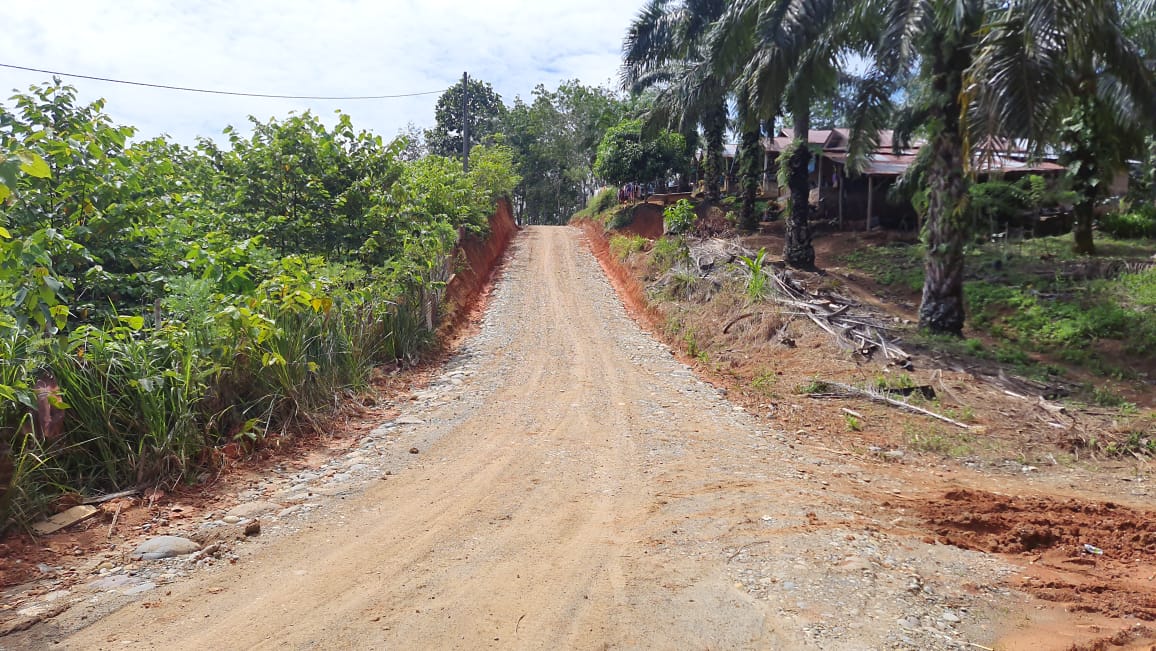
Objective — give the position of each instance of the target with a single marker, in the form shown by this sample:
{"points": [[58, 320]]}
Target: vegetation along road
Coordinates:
{"points": [[567, 483]]}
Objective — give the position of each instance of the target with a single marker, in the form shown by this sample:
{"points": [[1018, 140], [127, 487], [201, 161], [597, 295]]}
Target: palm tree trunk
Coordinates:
{"points": [[1081, 163], [750, 168], [942, 309], [714, 126], [1084, 186], [799, 251]]}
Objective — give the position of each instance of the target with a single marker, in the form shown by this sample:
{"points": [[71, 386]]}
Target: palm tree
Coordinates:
{"points": [[663, 50], [749, 155], [784, 53], [1089, 57], [937, 38]]}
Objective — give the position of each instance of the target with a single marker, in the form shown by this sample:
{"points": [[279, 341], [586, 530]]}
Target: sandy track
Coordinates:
{"points": [[580, 489]]}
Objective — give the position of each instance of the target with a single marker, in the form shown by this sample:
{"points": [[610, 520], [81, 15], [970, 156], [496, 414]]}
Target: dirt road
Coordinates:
{"points": [[576, 487]]}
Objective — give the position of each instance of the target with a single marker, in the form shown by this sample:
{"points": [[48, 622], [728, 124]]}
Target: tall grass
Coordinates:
{"points": [[146, 403]]}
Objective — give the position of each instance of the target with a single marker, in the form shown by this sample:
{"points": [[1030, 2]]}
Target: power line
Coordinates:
{"points": [[215, 92]]}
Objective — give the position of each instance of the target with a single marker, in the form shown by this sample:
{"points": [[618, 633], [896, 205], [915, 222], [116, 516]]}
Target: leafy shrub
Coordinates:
{"points": [[679, 218], [1135, 224], [184, 299]]}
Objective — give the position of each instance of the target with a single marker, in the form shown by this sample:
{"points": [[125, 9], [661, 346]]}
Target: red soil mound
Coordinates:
{"points": [[647, 221], [1115, 580]]}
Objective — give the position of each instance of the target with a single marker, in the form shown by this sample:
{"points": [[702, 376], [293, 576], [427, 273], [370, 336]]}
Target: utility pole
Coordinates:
{"points": [[465, 122]]}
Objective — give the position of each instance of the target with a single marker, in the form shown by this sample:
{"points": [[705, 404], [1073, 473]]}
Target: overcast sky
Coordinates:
{"points": [[306, 47]]}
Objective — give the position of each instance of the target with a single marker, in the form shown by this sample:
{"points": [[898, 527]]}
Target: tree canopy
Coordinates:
{"points": [[627, 154], [486, 115]]}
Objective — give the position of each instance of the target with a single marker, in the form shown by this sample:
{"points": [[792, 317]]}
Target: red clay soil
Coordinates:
{"points": [[481, 257], [1053, 533], [646, 221]]}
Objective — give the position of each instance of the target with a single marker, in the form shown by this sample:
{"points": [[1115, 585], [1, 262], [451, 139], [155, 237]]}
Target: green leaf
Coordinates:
{"points": [[33, 165], [4, 231], [134, 322]]}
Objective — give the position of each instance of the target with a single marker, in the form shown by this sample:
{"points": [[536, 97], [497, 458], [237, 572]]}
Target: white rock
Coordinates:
{"points": [[253, 509], [164, 547]]}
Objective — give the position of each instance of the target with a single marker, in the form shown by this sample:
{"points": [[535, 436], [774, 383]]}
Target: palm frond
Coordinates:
{"points": [[870, 111]]}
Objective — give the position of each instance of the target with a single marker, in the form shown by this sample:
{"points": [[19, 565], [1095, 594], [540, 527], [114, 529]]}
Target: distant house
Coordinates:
{"points": [[862, 198]]}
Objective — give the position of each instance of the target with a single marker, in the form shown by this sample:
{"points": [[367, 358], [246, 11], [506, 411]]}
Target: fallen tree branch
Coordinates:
{"points": [[111, 496], [727, 327], [879, 397]]}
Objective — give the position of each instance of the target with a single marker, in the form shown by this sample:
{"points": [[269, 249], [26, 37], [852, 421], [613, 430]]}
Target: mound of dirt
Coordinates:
{"points": [[1094, 556], [646, 221]]}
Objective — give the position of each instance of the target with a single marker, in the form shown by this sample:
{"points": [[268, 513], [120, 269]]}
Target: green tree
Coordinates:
{"points": [[486, 115], [555, 137], [664, 50], [786, 54], [1076, 75], [627, 154]]}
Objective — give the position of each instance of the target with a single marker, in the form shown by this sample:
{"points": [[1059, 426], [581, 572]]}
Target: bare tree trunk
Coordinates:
{"points": [[800, 253]]}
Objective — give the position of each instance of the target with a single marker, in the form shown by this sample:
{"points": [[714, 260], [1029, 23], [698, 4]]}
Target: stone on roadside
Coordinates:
{"points": [[409, 420], [164, 547], [254, 509]]}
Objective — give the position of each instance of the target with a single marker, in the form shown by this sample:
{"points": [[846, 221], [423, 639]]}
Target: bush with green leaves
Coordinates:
{"points": [[1131, 223], [678, 218], [179, 299], [669, 252], [621, 246]]}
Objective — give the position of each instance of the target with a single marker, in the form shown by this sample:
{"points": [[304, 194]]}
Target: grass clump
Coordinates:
{"points": [[598, 205], [669, 252], [933, 439], [621, 246]]}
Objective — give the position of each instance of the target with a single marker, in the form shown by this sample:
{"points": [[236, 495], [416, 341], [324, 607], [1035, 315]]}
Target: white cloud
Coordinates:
{"points": [[296, 47]]}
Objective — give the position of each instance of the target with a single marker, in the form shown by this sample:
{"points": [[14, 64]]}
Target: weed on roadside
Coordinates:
{"points": [[765, 382], [933, 439], [621, 246], [667, 253]]}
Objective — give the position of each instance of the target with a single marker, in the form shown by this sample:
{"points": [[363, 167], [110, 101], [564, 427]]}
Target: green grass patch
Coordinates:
{"points": [[1037, 297], [669, 252], [621, 246], [936, 440]]}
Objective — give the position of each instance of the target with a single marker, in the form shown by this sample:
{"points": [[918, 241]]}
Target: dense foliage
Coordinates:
{"points": [[968, 77], [627, 154], [158, 301], [553, 137]]}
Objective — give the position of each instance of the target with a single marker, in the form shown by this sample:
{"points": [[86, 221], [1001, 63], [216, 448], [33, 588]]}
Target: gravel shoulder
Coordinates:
{"points": [[566, 482]]}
